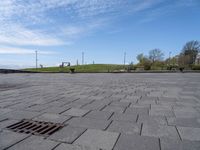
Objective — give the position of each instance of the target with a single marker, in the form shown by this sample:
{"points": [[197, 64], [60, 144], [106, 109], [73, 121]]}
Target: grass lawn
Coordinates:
{"points": [[81, 68]]}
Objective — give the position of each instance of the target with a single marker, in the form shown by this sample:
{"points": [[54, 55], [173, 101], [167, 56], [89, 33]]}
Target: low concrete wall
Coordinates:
{"points": [[144, 71], [14, 71]]}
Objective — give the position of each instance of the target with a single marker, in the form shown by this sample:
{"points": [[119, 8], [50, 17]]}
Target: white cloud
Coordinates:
{"points": [[37, 22], [21, 51]]}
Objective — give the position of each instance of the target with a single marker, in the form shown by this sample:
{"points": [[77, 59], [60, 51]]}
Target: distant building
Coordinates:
{"points": [[197, 61]]}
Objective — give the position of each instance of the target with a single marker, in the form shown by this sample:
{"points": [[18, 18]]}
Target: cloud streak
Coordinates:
{"points": [[22, 51], [59, 22], [19, 19]]}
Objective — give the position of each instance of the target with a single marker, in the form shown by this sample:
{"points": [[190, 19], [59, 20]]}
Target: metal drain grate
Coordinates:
{"points": [[35, 127]]}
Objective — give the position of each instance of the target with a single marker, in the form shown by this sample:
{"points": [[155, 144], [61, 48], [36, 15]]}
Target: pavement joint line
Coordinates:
{"points": [[111, 116], [64, 111], [116, 141], [103, 108], [108, 125], [178, 133], [56, 146], [159, 142], [137, 118], [141, 127], [86, 113], [78, 136]]}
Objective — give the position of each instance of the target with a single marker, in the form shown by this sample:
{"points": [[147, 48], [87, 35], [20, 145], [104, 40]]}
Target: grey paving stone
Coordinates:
{"points": [[89, 123], [152, 119], [141, 111], [184, 122], [99, 115], [162, 94], [9, 138], [120, 104], [168, 99], [75, 105], [136, 142], [147, 106], [161, 106], [38, 107], [188, 133], [114, 109], [169, 144], [97, 105], [186, 113], [98, 139], [132, 100], [75, 112], [3, 117], [124, 117], [56, 110], [148, 101], [47, 117], [20, 114], [67, 134], [4, 110], [64, 146], [125, 127], [161, 112], [34, 143], [156, 130]]}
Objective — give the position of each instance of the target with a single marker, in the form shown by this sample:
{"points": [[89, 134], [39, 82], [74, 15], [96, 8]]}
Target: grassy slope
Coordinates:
{"points": [[81, 68]]}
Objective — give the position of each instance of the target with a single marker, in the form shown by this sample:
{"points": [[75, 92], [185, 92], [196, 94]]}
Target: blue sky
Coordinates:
{"points": [[60, 30]]}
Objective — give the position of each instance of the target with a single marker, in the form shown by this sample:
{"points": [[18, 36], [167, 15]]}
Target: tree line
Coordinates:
{"points": [[155, 59]]}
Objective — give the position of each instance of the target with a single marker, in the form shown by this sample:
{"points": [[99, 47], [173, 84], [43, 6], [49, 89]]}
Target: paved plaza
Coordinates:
{"points": [[103, 111]]}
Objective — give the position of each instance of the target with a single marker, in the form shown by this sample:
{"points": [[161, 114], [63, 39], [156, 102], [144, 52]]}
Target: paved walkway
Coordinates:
{"points": [[103, 111]]}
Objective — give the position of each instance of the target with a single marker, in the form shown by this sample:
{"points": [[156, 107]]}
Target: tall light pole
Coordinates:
{"points": [[124, 58], [36, 60], [82, 58], [169, 57]]}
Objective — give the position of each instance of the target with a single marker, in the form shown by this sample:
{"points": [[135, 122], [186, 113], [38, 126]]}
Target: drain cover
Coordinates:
{"points": [[35, 127]]}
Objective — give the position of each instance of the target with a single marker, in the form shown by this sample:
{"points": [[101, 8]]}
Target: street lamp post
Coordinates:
{"points": [[124, 58], [36, 60], [82, 58]]}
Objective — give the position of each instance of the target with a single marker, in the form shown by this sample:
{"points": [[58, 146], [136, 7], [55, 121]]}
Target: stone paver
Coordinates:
{"points": [[34, 143], [124, 117], [67, 134], [20, 114], [124, 127], [169, 144], [89, 123], [75, 112], [9, 138], [50, 117], [136, 142], [152, 119], [98, 139], [140, 111], [114, 109], [64, 146], [184, 122], [157, 130], [108, 111], [188, 133], [99, 115]]}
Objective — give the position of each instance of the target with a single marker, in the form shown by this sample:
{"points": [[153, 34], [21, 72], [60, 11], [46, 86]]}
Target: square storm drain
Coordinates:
{"points": [[35, 127]]}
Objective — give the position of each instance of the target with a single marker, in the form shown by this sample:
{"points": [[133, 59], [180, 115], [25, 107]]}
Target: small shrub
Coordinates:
{"points": [[196, 67]]}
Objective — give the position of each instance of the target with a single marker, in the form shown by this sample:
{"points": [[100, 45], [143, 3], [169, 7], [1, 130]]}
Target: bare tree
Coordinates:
{"points": [[191, 49], [156, 55], [140, 57]]}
